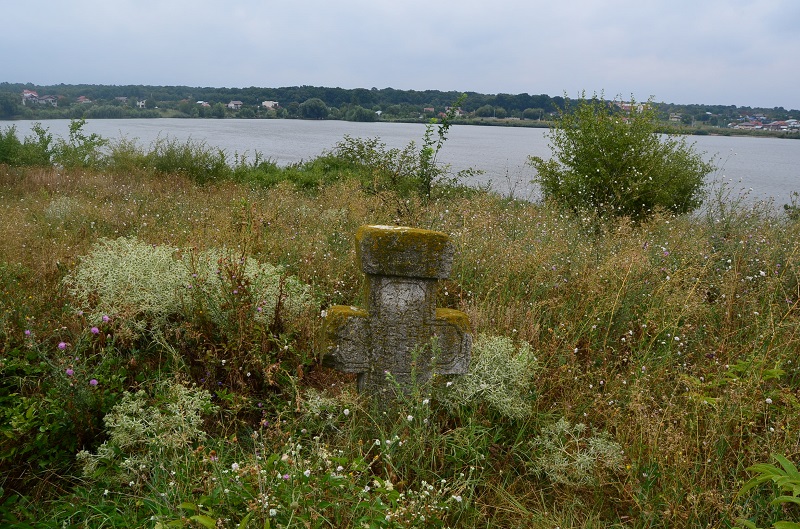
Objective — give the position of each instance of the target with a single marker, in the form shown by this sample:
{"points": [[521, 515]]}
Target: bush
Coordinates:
{"points": [[568, 455], [35, 150], [144, 287], [500, 375], [616, 164], [81, 150], [143, 434]]}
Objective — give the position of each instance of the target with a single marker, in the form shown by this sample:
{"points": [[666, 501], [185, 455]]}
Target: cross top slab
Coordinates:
{"points": [[388, 343]]}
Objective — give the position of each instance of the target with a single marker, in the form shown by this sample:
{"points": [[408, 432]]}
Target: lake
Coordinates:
{"points": [[770, 167]]}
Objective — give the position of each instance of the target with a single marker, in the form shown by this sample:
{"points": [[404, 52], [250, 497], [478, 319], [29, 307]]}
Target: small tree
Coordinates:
{"points": [[613, 161]]}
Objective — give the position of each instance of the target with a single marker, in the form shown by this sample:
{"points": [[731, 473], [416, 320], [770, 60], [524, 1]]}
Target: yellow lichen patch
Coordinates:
{"points": [[454, 317], [402, 251], [337, 317]]}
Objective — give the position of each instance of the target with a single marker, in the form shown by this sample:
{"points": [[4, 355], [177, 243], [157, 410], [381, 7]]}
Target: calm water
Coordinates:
{"points": [[768, 166]]}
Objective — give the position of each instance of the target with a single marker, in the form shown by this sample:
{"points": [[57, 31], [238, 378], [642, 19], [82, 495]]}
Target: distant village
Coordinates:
{"points": [[758, 122], [30, 98]]}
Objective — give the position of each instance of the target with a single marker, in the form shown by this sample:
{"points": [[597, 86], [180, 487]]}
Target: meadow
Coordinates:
{"points": [[160, 310]]}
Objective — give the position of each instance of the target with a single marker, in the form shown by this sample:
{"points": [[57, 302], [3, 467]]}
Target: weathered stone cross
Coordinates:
{"points": [[389, 344]]}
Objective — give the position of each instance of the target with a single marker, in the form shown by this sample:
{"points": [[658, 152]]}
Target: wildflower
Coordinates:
{"points": [[105, 492], [410, 418], [105, 318], [458, 498], [307, 473], [285, 476], [346, 412], [62, 345], [273, 512], [93, 382], [70, 372], [27, 332], [377, 442], [235, 467], [95, 330], [768, 401]]}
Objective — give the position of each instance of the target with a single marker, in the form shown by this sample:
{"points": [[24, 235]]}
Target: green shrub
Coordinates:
{"points": [[616, 164], [81, 150], [143, 433], [198, 161], [36, 149], [409, 170]]}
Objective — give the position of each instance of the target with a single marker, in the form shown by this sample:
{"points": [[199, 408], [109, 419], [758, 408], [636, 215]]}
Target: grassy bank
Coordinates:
{"points": [[164, 325]]}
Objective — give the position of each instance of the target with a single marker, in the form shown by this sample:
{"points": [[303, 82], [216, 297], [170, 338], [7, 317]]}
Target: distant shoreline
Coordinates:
{"points": [[478, 122]]}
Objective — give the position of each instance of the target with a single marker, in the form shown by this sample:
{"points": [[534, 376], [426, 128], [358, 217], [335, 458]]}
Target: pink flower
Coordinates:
{"points": [[27, 332], [105, 318], [70, 372], [93, 382], [62, 345], [95, 330]]}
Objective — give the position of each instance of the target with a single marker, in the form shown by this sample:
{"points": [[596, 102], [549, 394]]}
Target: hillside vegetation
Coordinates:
{"points": [[159, 319]]}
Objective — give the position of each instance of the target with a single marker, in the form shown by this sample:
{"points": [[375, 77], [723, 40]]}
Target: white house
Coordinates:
{"points": [[273, 105], [235, 105]]}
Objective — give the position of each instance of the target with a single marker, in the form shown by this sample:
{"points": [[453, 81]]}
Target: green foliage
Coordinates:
{"points": [[407, 170], [786, 478], [81, 150], [313, 108], [615, 163], [500, 375], [34, 150], [52, 399], [195, 159], [359, 113], [792, 209], [143, 434]]}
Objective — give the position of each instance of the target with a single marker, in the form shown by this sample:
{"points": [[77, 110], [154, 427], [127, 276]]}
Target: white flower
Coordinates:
{"points": [[307, 473], [235, 467], [346, 412], [457, 498], [768, 401], [377, 442], [410, 418], [273, 512]]}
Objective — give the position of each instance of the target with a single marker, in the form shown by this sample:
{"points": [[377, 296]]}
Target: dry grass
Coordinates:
{"points": [[669, 335]]}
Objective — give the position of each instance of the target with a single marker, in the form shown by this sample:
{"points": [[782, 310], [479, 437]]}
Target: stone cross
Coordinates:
{"points": [[400, 339]]}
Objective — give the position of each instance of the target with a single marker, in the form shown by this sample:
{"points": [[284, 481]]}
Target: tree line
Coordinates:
{"points": [[357, 104]]}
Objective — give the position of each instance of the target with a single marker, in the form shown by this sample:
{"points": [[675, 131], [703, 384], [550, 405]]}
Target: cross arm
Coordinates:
{"points": [[345, 339]]}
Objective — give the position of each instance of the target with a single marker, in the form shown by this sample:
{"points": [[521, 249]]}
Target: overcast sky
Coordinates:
{"points": [[730, 52]]}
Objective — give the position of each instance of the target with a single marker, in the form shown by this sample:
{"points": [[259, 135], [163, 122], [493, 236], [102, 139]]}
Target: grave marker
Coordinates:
{"points": [[388, 343]]}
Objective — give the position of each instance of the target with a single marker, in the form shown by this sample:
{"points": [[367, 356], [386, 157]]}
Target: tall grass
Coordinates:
{"points": [[656, 362]]}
